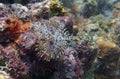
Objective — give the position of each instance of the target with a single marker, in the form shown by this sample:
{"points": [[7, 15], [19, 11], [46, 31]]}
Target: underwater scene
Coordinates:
{"points": [[59, 39]]}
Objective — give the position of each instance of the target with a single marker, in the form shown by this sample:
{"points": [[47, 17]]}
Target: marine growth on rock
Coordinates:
{"points": [[59, 39]]}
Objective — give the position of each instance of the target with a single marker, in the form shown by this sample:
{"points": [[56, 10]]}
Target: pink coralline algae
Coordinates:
{"points": [[71, 66], [16, 67]]}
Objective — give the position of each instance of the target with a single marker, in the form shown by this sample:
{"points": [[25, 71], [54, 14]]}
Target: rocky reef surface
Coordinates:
{"points": [[59, 39]]}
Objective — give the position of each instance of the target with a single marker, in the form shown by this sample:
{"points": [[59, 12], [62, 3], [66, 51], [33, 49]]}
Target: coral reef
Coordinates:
{"points": [[49, 39]]}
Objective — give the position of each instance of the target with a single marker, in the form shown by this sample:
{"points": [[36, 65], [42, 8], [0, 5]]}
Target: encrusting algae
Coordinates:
{"points": [[105, 44], [15, 27], [107, 47], [56, 8]]}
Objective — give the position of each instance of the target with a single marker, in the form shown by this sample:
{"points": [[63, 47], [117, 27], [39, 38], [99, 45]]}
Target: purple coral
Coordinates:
{"points": [[16, 67], [71, 66], [85, 53], [29, 39], [68, 23]]}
